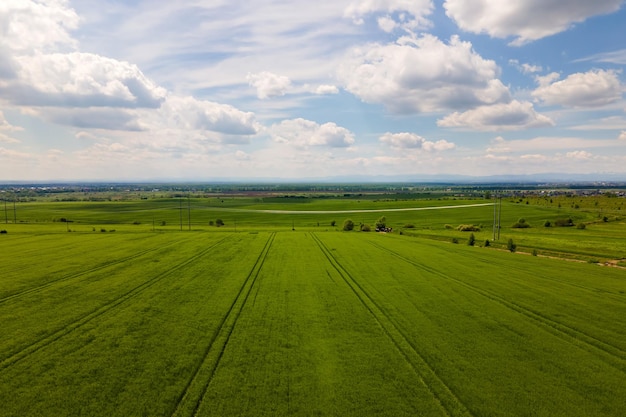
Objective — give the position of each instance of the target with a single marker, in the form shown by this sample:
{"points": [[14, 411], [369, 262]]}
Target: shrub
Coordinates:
{"points": [[521, 224], [365, 228], [581, 226], [409, 226], [103, 230], [547, 224], [136, 222], [605, 219], [381, 223], [219, 222], [211, 222], [472, 240], [455, 240], [468, 228], [511, 246], [348, 225], [333, 223], [534, 252], [487, 243], [564, 222], [3, 232]]}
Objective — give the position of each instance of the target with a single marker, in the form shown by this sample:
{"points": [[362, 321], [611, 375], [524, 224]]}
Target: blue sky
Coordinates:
{"points": [[290, 89]]}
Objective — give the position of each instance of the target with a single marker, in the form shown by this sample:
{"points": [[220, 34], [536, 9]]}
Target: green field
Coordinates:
{"points": [[259, 319]]}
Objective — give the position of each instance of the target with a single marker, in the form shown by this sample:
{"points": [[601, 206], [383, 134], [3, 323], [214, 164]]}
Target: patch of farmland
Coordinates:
{"points": [[295, 323]]}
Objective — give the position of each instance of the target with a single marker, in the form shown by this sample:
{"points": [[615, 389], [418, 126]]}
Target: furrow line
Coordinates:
{"points": [[51, 338], [192, 396], [563, 331], [450, 404], [82, 273]]}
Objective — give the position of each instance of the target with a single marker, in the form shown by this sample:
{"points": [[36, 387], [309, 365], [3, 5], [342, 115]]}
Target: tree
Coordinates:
{"points": [[472, 240], [333, 223], [348, 225], [219, 222], [381, 223], [511, 246], [365, 227]]}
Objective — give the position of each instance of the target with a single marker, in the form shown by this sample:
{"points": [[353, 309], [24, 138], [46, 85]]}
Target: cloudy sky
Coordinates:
{"points": [[231, 89]]}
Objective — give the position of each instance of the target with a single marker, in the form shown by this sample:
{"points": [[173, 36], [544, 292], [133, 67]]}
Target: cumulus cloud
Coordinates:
{"points": [[515, 115], [80, 80], [189, 113], [581, 155], [595, 88], [326, 89], [410, 14], [525, 68], [303, 133], [423, 74], [268, 84], [527, 20], [52, 20], [405, 140], [622, 135]]}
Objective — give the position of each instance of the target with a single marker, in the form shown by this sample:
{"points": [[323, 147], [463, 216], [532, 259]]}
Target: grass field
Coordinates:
{"points": [[278, 312], [269, 321]]}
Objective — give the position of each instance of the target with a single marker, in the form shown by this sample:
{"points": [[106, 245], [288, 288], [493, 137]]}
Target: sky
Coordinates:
{"points": [[134, 90]]}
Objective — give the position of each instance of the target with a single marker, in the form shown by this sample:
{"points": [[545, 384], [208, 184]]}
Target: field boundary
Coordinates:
{"points": [[237, 210]]}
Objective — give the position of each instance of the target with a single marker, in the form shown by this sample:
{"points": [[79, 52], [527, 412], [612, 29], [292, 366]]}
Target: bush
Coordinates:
{"points": [[564, 222], [3, 232], [381, 223], [511, 246], [547, 224], [534, 252], [136, 222], [472, 240], [211, 222], [521, 224], [468, 228], [487, 243], [333, 223], [449, 226], [348, 225], [365, 228], [409, 226], [605, 219], [219, 222], [581, 226], [455, 240]]}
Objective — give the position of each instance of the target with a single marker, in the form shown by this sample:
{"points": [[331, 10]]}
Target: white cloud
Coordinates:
{"points": [[614, 57], [595, 88], [525, 68], [622, 135], [510, 116], [188, 113], [29, 25], [304, 133], [326, 89], [423, 75], [268, 84], [417, 9], [405, 140], [526, 20], [579, 155]]}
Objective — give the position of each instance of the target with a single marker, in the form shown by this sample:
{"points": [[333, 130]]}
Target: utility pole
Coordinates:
{"points": [[180, 213], [14, 213], [6, 216], [495, 211], [189, 212], [499, 217]]}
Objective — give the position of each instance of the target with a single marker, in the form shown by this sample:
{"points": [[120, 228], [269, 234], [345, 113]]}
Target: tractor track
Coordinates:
{"points": [[83, 273], [450, 404], [192, 396], [28, 350], [613, 355]]}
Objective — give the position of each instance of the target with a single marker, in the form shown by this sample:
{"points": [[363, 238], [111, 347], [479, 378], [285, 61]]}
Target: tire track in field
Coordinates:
{"points": [[103, 309], [450, 404], [82, 273], [613, 355], [191, 398]]}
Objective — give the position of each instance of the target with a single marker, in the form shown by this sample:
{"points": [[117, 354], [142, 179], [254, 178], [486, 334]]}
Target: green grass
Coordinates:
{"points": [[304, 323]]}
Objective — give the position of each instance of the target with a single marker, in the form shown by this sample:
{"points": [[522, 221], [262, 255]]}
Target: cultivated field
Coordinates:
{"points": [[259, 319]]}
